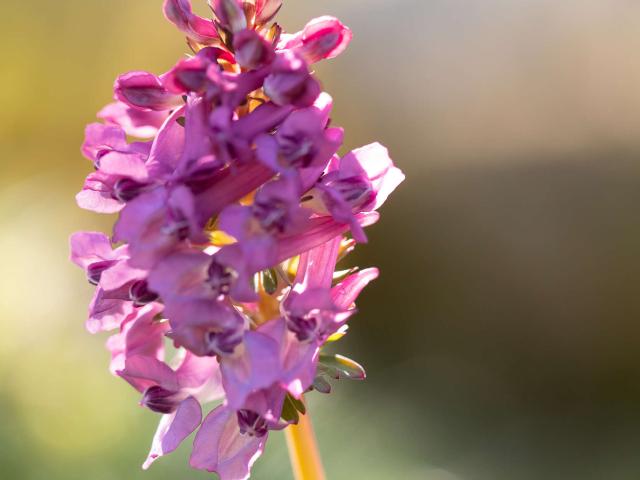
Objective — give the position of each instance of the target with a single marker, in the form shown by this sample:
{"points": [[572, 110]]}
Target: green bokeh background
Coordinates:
{"points": [[501, 341]]}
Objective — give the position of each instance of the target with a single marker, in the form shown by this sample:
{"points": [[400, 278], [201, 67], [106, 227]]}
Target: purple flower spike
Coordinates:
{"points": [[234, 211]]}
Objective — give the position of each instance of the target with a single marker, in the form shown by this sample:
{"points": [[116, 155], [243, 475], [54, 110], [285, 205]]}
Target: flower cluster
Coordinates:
{"points": [[234, 209]]}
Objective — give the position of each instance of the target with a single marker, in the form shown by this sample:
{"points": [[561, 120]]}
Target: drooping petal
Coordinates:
{"points": [[345, 293], [220, 447], [174, 428], [106, 314]]}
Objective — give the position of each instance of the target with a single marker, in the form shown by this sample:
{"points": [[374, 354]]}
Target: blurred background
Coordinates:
{"points": [[501, 341]]}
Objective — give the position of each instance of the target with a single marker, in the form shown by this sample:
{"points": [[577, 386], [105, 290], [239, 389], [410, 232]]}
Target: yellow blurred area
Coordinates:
{"points": [[501, 341]]}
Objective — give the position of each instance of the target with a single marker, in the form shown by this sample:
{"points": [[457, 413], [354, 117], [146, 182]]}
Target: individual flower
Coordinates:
{"points": [[291, 82], [144, 91], [196, 28], [322, 38]]}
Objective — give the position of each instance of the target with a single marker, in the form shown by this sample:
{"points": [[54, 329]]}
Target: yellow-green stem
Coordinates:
{"points": [[303, 450]]}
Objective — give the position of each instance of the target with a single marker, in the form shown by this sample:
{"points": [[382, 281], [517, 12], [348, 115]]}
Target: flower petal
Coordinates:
{"points": [[220, 447], [174, 428]]}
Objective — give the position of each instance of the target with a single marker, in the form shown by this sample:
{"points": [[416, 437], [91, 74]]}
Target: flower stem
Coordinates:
{"points": [[303, 450]]}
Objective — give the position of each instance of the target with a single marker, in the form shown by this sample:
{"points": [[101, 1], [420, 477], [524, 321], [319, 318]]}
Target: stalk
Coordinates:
{"points": [[303, 450]]}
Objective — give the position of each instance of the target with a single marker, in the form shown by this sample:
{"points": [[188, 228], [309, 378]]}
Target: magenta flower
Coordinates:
{"points": [[322, 38], [196, 28], [234, 211], [290, 82]]}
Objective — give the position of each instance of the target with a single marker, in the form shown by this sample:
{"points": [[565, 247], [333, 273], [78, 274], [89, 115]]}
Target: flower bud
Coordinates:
{"points": [[160, 400], [190, 75], [230, 14], [324, 38], [252, 50], [144, 91], [198, 29], [290, 82]]}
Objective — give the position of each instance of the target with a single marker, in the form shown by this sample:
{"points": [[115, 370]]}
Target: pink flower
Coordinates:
{"points": [[112, 302], [252, 50], [361, 182], [322, 38], [144, 91], [290, 82], [230, 14], [198, 29]]}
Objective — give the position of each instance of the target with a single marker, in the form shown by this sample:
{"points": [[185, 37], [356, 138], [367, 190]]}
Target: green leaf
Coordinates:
{"points": [[181, 121], [270, 281], [340, 367], [321, 385], [289, 411], [298, 404]]}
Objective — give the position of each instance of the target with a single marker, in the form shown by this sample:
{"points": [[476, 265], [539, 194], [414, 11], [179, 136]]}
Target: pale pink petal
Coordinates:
{"points": [[220, 447], [173, 429], [345, 293]]}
